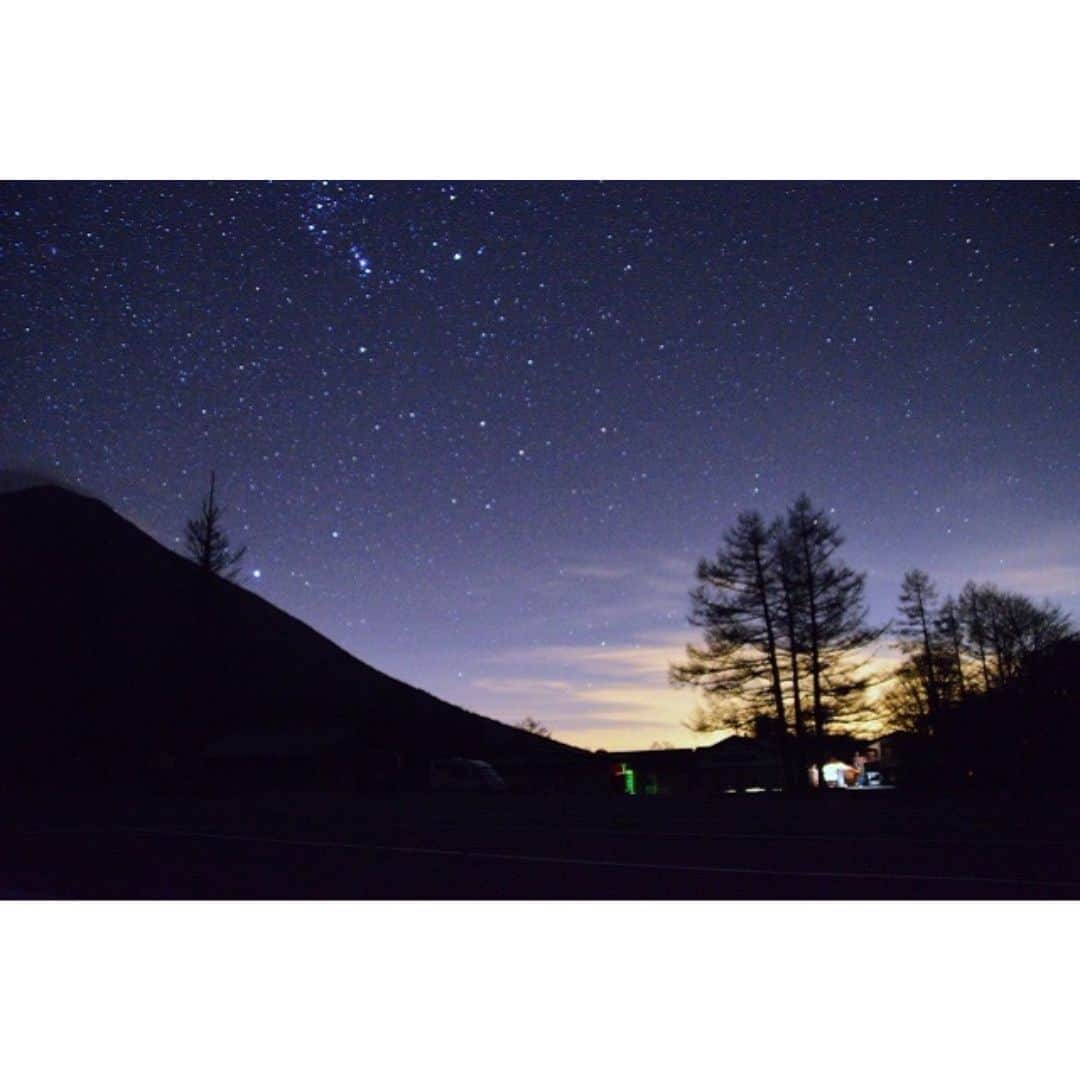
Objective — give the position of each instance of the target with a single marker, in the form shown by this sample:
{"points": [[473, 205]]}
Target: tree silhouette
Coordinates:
{"points": [[828, 616], [971, 609], [904, 705], [949, 636], [534, 728], [715, 714], [737, 604], [918, 614], [207, 543], [976, 652], [1003, 629], [784, 619]]}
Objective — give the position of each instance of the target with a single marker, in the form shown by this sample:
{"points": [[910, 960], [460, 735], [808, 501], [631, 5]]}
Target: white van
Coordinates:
{"points": [[464, 774]]}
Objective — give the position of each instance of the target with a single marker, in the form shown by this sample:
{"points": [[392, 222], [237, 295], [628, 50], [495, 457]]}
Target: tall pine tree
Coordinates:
{"points": [[736, 604], [830, 618]]}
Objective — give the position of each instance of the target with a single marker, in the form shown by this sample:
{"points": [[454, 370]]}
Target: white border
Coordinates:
{"points": [[846, 90], [559, 90]]}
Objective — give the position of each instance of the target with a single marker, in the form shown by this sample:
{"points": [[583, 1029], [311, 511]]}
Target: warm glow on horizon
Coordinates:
{"points": [[617, 697]]}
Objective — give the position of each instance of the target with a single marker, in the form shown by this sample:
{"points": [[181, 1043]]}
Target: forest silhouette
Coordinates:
{"points": [[988, 687]]}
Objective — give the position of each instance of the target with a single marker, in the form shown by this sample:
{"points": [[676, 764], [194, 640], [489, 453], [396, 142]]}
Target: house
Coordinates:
{"points": [[735, 763], [738, 763], [651, 772], [897, 752]]}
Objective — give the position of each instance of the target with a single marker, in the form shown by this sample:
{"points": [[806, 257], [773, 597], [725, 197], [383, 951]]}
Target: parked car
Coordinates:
{"points": [[464, 774]]}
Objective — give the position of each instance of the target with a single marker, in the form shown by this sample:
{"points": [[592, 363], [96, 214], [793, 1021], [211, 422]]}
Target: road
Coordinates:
{"points": [[490, 847]]}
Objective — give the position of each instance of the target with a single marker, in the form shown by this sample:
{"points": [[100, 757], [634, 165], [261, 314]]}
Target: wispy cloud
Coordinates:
{"points": [[646, 655], [616, 693], [618, 696], [1062, 580], [615, 696], [632, 590], [1046, 567], [521, 685], [595, 572]]}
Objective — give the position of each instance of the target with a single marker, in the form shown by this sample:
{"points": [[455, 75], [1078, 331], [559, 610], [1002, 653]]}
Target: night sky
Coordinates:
{"points": [[480, 433]]}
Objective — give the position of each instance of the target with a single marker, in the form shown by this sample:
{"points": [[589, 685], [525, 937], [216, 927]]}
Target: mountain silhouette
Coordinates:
{"points": [[121, 660]]}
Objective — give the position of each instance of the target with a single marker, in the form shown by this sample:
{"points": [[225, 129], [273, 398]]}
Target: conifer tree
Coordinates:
{"points": [[207, 543], [786, 629], [736, 604], [918, 610], [830, 617], [949, 639]]}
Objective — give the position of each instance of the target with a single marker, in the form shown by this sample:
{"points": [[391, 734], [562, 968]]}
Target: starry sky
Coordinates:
{"points": [[480, 433]]}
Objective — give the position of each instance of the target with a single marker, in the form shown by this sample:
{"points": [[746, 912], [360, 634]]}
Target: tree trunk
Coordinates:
{"points": [[815, 665], [802, 778], [774, 669]]}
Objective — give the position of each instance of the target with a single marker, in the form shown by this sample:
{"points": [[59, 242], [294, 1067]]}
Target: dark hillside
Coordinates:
{"points": [[117, 653]]}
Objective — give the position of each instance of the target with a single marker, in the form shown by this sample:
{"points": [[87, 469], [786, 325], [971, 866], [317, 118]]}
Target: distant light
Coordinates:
{"points": [[256, 573], [457, 256]]}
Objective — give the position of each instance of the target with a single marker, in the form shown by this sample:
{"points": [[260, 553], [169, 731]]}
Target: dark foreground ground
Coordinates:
{"points": [[844, 845]]}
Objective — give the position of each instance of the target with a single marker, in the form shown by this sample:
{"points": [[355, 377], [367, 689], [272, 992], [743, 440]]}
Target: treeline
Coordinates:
{"points": [[989, 689], [983, 640], [786, 653]]}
